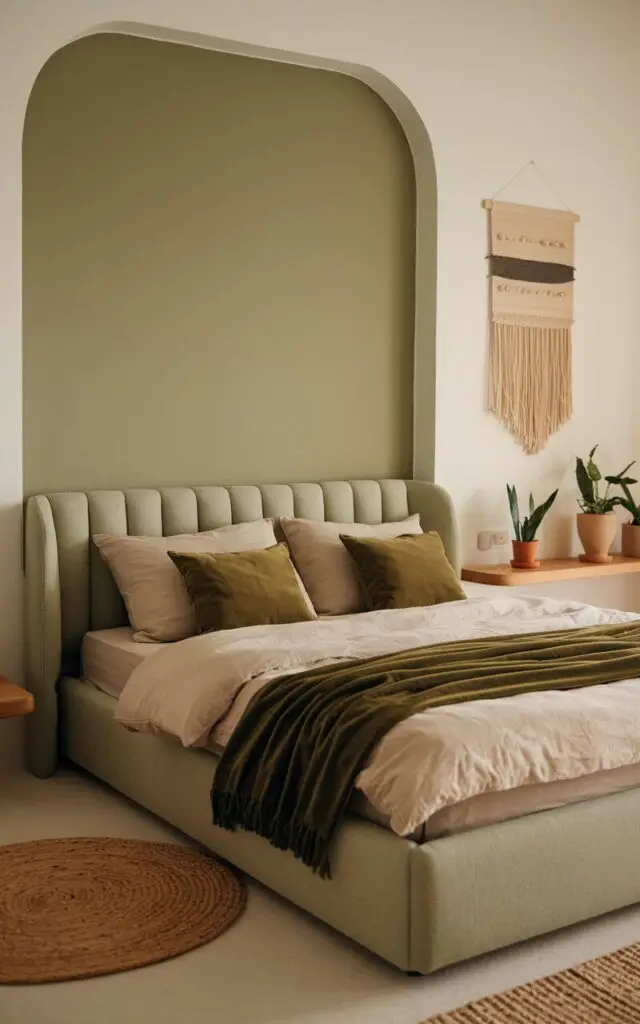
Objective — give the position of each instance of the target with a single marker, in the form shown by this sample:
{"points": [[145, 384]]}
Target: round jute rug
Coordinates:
{"points": [[74, 908]]}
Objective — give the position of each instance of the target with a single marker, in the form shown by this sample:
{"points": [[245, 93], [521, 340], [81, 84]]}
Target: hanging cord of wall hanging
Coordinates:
{"points": [[487, 203]]}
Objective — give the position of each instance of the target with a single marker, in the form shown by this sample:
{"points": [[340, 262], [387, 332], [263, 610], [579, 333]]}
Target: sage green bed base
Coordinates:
{"points": [[420, 907]]}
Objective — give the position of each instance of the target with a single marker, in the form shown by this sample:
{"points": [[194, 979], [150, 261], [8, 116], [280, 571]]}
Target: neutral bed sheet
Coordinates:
{"points": [[109, 656]]}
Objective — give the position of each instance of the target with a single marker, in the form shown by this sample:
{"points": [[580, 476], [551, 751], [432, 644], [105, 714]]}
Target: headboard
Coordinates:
{"points": [[70, 589]]}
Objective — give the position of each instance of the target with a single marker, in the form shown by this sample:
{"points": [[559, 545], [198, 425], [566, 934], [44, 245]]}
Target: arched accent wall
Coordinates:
{"points": [[426, 240], [220, 273]]}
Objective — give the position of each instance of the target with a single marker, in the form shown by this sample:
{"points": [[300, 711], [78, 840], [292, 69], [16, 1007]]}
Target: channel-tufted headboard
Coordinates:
{"points": [[70, 589]]}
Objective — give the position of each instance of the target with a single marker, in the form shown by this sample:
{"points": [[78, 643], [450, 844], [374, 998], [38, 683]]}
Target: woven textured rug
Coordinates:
{"points": [[601, 991], [75, 908]]}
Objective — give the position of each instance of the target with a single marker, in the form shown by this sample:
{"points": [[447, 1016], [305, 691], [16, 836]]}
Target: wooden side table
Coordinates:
{"points": [[14, 700]]}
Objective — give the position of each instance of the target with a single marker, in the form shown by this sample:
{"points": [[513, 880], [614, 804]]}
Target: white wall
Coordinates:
{"points": [[497, 83]]}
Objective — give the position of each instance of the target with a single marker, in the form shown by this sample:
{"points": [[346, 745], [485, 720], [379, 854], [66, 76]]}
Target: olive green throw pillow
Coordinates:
{"points": [[247, 588], [406, 572]]}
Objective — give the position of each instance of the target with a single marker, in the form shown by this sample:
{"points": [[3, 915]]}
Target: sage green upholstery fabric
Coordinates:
{"points": [[248, 588], [406, 572], [70, 590], [495, 886]]}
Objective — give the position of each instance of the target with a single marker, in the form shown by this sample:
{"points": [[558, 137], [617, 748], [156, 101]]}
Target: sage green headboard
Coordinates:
{"points": [[70, 590]]}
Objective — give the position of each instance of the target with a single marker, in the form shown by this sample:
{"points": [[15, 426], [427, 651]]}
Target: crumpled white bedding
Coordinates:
{"points": [[197, 689]]}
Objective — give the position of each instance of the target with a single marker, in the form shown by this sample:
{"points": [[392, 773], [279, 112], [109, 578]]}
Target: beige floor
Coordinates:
{"points": [[275, 965]]}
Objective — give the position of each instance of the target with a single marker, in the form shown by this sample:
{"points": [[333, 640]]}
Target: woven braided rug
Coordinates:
{"points": [[601, 991], [74, 908]]}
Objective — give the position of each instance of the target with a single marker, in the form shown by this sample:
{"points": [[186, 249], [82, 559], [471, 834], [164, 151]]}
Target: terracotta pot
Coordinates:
{"points": [[630, 540], [524, 554], [596, 533]]}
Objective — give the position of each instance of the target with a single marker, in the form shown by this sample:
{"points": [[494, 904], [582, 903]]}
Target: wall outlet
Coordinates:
{"points": [[488, 539]]}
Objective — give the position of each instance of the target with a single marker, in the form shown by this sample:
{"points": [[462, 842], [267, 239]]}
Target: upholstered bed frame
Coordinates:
{"points": [[418, 906]]}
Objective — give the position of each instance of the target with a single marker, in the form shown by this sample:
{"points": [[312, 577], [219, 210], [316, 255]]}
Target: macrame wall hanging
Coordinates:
{"points": [[531, 267]]}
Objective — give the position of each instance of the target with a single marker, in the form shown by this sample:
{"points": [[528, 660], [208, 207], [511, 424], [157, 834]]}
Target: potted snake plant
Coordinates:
{"points": [[596, 520], [525, 545]]}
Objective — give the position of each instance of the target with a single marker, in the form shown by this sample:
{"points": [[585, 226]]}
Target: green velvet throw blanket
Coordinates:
{"points": [[289, 768]]}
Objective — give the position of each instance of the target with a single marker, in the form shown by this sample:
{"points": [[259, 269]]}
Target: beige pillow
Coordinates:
{"points": [[327, 570], [152, 588]]}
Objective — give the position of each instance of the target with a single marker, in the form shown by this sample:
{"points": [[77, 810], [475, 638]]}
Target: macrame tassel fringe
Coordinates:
{"points": [[530, 381]]}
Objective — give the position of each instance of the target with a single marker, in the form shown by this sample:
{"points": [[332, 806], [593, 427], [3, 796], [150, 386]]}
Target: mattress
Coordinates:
{"points": [[492, 808], [109, 656]]}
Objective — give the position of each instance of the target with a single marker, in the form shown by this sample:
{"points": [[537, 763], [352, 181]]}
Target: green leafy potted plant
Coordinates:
{"points": [[631, 530], [525, 546], [597, 521]]}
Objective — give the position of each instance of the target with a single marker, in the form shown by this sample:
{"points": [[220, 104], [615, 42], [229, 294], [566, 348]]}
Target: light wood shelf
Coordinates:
{"points": [[551, 570], [14, 700]]}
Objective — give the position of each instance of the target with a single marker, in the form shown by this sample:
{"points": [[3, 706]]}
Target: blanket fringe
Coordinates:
{"points": [[233, 810]]}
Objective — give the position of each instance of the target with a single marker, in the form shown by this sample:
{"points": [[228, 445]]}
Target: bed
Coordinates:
{"points": [[420, 905]]}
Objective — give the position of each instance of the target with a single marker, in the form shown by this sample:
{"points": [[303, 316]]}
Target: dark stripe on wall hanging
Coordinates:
{"points": [[530, 270]]}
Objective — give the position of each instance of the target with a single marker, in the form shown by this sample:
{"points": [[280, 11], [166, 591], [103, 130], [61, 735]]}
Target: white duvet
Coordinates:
{"points": [[196, 690]]}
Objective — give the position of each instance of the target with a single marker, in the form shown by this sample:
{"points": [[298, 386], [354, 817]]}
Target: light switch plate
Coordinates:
{"points": [[485, 540]]}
